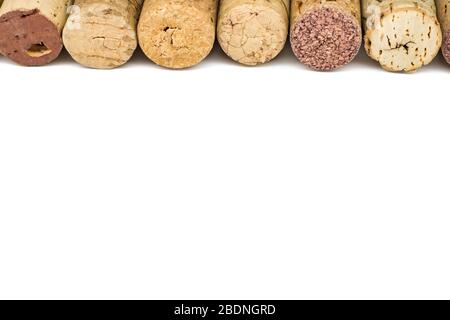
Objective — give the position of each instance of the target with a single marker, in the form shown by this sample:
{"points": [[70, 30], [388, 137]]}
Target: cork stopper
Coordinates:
{"points": [[326, 38], [29, 38], [253, 32], [177, 34]]}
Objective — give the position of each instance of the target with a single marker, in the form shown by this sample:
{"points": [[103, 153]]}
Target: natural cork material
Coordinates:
{"points": [[102, 33], [177, 33], [253, 32], [443, 9], [30, 30], [402, 35], [326, 34]]}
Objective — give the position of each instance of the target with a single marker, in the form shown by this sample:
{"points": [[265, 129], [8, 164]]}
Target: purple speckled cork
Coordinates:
{"points": [[326, 38], [446, 46]]}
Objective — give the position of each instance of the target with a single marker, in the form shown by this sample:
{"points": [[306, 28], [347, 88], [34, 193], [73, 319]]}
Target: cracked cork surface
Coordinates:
{"points": [[102, 33], [325, 35], [177, 33], [443, 10], [30, 30], [253, 32], [402, 35]]}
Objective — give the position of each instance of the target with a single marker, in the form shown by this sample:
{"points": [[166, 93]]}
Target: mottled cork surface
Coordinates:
{"points": [[253, 32], [325, 35], [177, 33]]}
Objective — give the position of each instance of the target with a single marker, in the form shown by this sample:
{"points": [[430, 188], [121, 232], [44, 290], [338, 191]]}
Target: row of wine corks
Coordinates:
{"points": [[402, 35]]}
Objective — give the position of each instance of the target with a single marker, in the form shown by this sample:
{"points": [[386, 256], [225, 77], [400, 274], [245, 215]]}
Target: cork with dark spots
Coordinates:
{"points": [[325, 35], [402, 35]]}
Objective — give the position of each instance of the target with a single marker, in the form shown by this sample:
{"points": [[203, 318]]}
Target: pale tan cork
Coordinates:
{"points": [[402, 35], [253, 32], [443, 9], [325, 34], [177, 33], [101, 34], [30, 30]]}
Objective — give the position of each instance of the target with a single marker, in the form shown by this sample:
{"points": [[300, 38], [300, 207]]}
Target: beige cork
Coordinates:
{"points": [[402, 35], [102, 33], [443, 9], [325, 34], [30, 30], [177, 33], [253, 32]]}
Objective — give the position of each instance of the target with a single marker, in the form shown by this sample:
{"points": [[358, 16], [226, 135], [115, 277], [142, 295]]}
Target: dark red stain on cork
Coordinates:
{"points": [[29, 38], [446, 46], [326, 38]]}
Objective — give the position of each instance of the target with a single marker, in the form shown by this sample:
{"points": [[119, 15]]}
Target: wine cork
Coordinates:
{"points": [[102, 33], [402, 35], [443, 9], [325, 34], [30, 30], [177, 33], [253, 32]]}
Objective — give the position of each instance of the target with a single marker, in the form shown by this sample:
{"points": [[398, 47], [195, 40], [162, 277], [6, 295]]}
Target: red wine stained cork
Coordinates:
{"points": [[30, 30], [253, 32], [102, 33], [325, 35], [402, 35], [177, 33], [443, 9]]}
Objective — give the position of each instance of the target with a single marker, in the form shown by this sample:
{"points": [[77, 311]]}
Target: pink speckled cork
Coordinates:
{"points": [[325, 37], [443, 11], [446, 47]]}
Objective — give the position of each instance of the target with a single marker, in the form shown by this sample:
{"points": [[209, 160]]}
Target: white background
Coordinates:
{"points": [[224, 181]]}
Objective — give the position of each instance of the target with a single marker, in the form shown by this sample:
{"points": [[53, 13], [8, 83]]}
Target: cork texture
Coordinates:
{"points": [[325, 34], [30, 30], [177, 33], [443, 10], [402, 35], [102, 33], [253, 32]]}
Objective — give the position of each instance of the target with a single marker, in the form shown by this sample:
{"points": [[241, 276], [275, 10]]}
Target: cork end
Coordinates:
{"points": [[446, 47], [252, 34], [326, 38], [29, 38], [175, 37], [99, 39], [404, 40]]}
